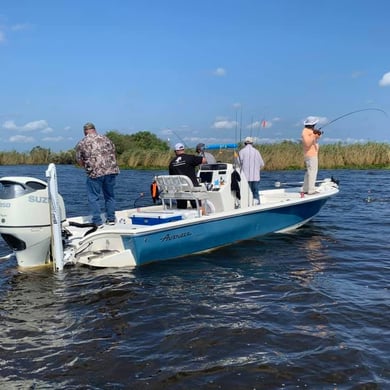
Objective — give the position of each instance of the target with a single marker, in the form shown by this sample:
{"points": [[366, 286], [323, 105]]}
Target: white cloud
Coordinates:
{"points": [[22, 139], [29, 126], [220, 72], [224, 124], [2, 37], [35, 125], [10, 125], [47, 130], [385, 80]]}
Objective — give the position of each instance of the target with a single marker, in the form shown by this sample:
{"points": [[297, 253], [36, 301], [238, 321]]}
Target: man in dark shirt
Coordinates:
{"points": [[184, 164]]}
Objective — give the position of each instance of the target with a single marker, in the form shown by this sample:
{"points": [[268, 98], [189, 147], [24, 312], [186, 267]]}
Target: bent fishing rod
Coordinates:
{"points": [[350, 113]]}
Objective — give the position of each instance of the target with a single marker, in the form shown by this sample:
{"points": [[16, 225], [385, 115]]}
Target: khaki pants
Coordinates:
{"points": [[309, 183]]}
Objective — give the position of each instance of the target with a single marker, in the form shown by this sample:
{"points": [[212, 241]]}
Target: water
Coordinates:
{"points": [[306, 310]]}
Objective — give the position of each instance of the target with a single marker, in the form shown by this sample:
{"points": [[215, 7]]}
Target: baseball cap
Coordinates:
{"points": [[179, 146], [310, 121], [248, 140], [199, 147], [89, 125]]}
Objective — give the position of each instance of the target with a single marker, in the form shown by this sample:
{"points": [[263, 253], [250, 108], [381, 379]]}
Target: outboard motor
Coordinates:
{"points": [[25, 219]]}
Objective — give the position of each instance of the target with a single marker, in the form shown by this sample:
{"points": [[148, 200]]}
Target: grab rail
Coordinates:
{"points": [[55, 219]]}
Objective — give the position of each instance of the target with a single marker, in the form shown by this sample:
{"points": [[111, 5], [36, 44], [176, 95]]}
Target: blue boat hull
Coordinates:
{"points": [[202, 235]]}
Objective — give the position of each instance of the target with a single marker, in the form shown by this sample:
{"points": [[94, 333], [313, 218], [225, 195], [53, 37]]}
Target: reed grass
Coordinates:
{"points": [[144, 159], [288, 156], [281, 156]]}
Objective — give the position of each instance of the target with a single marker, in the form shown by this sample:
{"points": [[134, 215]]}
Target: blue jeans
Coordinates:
{"points": [[255, 187], [95, 186]]}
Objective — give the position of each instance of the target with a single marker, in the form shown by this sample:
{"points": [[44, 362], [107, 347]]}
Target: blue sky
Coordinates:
{"points": [[186, 70]]}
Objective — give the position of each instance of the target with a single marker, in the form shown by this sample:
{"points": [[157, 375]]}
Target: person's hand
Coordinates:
{"points": [[318, 132]]}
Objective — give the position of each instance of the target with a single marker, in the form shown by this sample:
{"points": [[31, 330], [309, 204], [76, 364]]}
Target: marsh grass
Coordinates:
{"points": [[282, 156], [144, 159], [288, 156]]}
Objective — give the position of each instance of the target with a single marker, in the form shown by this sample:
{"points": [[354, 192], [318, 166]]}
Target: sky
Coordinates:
{"points": [[189, 71]]}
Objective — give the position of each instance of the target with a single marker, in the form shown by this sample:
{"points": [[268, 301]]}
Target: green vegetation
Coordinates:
{"points": [[288, 155], [144, 150]]}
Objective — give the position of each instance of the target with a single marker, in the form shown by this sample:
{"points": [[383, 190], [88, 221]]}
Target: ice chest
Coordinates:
{"points": [[154, 218]]}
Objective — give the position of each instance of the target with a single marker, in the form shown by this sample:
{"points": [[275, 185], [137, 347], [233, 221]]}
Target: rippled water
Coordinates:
{"points": [[306, 310]]}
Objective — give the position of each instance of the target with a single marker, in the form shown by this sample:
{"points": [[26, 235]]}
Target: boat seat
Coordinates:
{"points": [[180, 187]]}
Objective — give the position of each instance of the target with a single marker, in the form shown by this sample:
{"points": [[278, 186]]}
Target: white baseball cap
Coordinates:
{"points": [[179, 146], [310, 121]]}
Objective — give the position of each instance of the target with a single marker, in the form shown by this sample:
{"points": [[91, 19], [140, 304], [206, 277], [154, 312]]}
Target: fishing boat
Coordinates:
{"points": [[34, 224]]}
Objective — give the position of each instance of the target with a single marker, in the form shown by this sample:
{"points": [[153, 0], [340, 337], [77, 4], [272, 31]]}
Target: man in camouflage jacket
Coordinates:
{"points": [[96, 153]]}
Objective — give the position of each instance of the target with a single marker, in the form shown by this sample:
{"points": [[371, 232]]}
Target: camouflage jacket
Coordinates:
{"points": [[96, 153]]}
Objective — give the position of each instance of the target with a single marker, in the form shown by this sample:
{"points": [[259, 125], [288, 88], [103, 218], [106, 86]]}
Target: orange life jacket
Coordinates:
{"points": [[154, 190]]}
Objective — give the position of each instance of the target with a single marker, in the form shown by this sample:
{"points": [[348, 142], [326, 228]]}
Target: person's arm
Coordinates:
{"points": [[194, 160], [240, 157], [309, 138], [79, 158], [261, 161]]}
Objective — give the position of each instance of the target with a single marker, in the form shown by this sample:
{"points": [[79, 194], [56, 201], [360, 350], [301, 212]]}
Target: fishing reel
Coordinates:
{"points": [[318, 132]]}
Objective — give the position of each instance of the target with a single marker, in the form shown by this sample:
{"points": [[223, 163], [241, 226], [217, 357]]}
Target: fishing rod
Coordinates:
{"points": [[350, 113], [141, 195], [145, 203], [180, 139]]}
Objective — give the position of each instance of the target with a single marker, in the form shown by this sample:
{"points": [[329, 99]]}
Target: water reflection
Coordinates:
{"points": [[313, 250]]}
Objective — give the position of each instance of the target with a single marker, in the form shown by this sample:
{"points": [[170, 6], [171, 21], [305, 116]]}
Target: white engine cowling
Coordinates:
{"points": [[25, 219]]}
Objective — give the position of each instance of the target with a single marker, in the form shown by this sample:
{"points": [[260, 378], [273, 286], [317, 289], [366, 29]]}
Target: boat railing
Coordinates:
{"points": [[55, 218]]}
